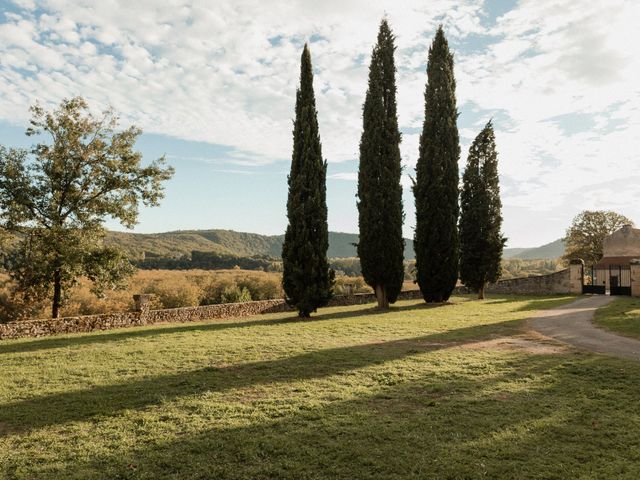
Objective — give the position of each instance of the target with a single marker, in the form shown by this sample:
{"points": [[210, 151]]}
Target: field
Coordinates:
{"points": [[454, 391], [621, 316]]}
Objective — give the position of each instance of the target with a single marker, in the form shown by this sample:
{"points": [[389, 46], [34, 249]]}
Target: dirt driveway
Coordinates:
{"points": [[572, 324]]}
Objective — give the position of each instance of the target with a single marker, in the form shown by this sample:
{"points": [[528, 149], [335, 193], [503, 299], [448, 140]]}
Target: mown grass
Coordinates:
{"points": [[350, 394], [621, 316]]}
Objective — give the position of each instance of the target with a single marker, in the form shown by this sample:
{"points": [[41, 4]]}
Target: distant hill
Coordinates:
{"points": [[182, 242], [512, 252], [549, 251], [341, 245]]}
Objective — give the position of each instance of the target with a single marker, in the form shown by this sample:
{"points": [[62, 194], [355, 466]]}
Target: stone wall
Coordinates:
{"points": [[554, 283], [635, 277], [91, 323]]}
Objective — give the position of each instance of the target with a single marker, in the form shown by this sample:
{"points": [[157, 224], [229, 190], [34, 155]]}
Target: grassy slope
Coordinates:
{"points": [[511, 252], [341, 245], [350, 394], [551, 250], [170, 244], [621, 316]]}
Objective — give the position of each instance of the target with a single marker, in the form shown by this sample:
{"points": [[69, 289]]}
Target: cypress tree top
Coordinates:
{"points": [[306, 135]]}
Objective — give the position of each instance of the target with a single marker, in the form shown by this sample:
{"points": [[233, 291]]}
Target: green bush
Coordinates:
{"points": [[264, 288], [235, 294], [174, 296]]}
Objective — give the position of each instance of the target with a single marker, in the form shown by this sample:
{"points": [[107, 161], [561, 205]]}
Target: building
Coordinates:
{"points": [[613, 273]]}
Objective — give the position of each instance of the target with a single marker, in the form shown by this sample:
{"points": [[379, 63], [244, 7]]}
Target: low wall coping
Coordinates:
{"points": [[530, 277]]}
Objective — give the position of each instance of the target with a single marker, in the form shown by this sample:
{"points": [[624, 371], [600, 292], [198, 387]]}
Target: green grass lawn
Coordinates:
{"points": [[621, 316], [419, 392]]}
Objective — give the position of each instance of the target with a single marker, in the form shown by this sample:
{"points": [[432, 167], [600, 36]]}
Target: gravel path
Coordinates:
{"points": [[571, 324]]}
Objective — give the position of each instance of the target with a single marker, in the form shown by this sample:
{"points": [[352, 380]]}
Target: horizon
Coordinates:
{"points": [[563, 99]]}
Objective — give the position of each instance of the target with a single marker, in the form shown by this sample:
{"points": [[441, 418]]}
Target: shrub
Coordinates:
{"points": [[234, 294], [14, 306], [261, 288], [345, 285], [175, 295], [213, 292]]}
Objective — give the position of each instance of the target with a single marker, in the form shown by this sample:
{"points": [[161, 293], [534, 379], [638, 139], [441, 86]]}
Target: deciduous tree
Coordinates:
{"points": [[585, 237], [55, 197]]}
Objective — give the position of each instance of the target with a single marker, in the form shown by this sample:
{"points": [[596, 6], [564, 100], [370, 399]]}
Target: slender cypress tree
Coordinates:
{"points": [[307, 279], [481, 240], [381, 244], [436, 186]]}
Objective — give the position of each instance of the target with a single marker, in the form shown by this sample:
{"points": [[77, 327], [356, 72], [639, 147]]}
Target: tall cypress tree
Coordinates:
{"points": [[436, 187], [307, 279], [381, 244], [481, 240]]}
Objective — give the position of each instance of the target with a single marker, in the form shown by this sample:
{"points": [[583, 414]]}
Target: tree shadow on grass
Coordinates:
{"points": [[109, 400], [460, 427]]}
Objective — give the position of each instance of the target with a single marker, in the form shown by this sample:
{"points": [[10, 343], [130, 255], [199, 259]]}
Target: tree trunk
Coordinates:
{"points": [[481, 292], [381, 296], [57, 294]]}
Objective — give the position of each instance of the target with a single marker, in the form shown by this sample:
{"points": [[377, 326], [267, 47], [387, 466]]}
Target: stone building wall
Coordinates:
{"points": [[635, 278], [624, 242]]}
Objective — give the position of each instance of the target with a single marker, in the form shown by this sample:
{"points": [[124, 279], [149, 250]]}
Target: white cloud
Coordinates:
{"points": [[569, 59], [350, 176], [207, 71], [226, 73]]}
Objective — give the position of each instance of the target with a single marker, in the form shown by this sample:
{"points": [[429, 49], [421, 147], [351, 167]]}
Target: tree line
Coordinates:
{"points": [[55, 196], [206, 260], [458, 231]]}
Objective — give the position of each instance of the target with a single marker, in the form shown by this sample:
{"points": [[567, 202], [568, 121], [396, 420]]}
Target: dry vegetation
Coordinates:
{"points": [[517, 268], [185, 288]]}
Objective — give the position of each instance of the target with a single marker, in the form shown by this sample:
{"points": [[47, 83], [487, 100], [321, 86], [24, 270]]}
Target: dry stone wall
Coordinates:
{"points": [[553, 283], [91, 323]]}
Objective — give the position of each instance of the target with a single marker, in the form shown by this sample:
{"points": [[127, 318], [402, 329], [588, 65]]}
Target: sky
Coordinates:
{"points": [[212, 85]]}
